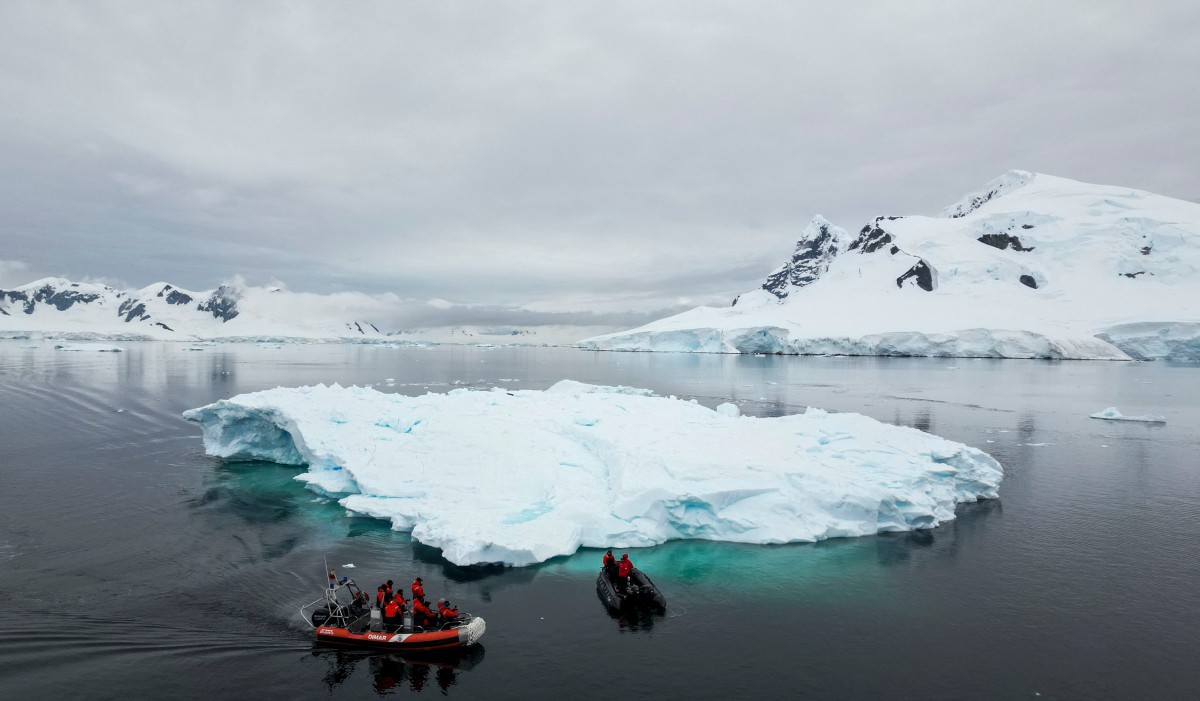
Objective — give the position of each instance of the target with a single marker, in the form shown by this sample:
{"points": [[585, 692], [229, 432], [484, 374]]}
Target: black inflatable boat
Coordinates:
{"points": [[640, 592]]}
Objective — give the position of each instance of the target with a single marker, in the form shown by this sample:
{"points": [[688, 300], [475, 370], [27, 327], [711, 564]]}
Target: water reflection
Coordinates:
{"points": [[391, 672], [919, 547]]}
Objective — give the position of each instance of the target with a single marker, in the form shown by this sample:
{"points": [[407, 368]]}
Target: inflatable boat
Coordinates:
{"points": [[338, 618], [640, 592]]}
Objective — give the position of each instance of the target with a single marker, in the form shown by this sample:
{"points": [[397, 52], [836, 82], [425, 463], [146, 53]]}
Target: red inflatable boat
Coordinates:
{"points": [[340, 618]]}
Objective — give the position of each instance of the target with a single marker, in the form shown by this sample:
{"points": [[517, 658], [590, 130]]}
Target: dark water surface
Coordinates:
{"points": [[133, 566]]}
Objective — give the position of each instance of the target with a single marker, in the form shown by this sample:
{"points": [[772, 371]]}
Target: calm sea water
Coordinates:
{"points": [[134, 566]]}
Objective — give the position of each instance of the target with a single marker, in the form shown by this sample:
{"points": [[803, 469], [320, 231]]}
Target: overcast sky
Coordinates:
{"points": [[556, 156]]}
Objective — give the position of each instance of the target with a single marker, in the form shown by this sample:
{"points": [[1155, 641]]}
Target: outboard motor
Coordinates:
{"points": [[320, 617]]}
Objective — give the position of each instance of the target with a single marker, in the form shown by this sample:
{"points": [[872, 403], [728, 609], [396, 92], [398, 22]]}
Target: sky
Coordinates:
{"points": [[551, 161]]}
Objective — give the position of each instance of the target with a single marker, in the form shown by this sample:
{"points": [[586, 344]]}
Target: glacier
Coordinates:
{"points": [[1029, 266], [521, 476]]}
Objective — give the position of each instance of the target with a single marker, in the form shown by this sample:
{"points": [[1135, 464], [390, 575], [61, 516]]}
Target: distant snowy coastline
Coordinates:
{"points": [[57, 309], [1030, 266], [521, 476]]}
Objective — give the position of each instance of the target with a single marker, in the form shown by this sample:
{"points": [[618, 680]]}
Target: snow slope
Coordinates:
{"points": [[1030, 266], [520, 477]]}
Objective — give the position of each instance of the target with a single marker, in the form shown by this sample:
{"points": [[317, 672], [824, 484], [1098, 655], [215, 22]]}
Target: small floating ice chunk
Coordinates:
{"points": [[728, 409], [1112, 414], [93, 347], [348, 566]]}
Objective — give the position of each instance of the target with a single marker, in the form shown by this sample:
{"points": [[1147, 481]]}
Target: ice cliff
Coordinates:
{"points": [[523, 476], [1029, 266]]}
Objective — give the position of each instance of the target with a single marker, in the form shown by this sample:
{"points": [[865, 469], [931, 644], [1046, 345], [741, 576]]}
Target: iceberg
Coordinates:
{"points": [[521, 476], [1113, 414]]}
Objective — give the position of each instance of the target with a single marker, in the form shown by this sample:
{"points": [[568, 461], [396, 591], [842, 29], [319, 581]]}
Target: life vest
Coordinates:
{"points": [[609, 560], [624, 567], [379, 595], [447, 612], [418, 590], [420, 607], [393, 608]]}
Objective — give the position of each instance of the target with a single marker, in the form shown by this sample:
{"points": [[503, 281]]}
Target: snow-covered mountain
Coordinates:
{"points": [[62, 309], [1030, 266], [163, 311]]}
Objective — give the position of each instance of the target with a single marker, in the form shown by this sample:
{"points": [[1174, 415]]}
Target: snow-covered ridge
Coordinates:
{"points": [[1029, 266], [522, 476], [60, 309]]}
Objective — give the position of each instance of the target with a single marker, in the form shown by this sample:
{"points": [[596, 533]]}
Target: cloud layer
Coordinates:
{"points": [[558, 156]]}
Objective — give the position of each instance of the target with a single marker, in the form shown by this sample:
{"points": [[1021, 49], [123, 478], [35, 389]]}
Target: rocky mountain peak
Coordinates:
{"points": [[814, 252]]}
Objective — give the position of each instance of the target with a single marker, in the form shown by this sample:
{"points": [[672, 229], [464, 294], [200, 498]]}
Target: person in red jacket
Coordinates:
{"points": [[445, 612], [418, 589], [393, 610], [624, 568], [422, 616], [610, 567]]}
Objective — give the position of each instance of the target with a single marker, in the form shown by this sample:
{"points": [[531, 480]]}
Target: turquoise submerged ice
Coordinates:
{"points": [[523, 476]]}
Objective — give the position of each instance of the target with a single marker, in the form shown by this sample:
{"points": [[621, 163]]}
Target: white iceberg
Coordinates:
{"points": [[523, 476], [1112, 414]]}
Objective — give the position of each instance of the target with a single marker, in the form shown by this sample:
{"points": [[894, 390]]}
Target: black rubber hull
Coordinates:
{"points": [[641, 593]]}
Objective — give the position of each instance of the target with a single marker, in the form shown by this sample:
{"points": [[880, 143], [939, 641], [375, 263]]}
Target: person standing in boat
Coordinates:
{"points": [[418, 589], [624, 569], [384, 589], [610, 567]]}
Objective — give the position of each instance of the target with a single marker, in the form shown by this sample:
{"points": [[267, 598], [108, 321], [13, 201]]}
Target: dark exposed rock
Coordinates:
{"points": [[1003, 241], [922, 273], [159, 323], [133, 309], [1027, 226], [1133, 275], [1028, 281], [222, 303], [735, 299], [61, 300], [870, 239], [809, 261], [1146, 250], [177, 297]]}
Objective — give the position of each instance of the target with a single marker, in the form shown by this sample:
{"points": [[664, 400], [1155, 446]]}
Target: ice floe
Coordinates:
{"points": [[92, 347], [523, 476], [1112, 414]]}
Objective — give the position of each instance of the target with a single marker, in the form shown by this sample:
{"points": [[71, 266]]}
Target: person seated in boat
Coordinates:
{"points": [[393, 610], [418, 589], [624, 569], [422, 616], [610, 567], [445, 613]]}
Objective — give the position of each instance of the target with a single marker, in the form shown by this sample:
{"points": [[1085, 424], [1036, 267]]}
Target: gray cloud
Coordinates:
{"points": [[562, 157]]}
